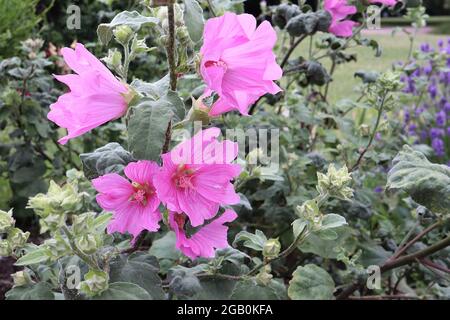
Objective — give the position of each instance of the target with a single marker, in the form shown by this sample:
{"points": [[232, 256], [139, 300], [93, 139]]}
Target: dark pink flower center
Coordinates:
{"points": [[141, 193], [180, 220], [183, 177], [220, 63]]}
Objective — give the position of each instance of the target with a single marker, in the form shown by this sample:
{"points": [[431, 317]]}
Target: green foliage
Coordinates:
{"points": [[14, 28], [134, 20], [38, 291], [193, 18], [111, 158], [427, 183], [311, 283], [140, 269], [149, 124], [123, 291]]}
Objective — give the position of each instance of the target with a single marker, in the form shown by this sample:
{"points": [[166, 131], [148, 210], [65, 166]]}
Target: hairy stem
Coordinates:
{"points": [[399, 262], [291, 50], [89, 261], [372, 136], [405, 247], [171, 47], [211, 8]]}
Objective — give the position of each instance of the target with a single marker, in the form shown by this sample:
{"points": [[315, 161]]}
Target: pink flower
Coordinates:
{"points": [[196, 175], [238, 62], [339, 10], [95, 96], [134, 204], [202, 243], [385, 2]]}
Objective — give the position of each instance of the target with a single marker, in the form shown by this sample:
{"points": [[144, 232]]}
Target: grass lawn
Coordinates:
{"points": [[395, 48]]}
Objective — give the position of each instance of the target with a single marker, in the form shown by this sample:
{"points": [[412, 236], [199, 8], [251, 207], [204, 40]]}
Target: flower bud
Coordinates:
{"points": [[6, 220], [114, 59], [81, 223], [309, 210], [139, 46], [17, 238], [264, 278], [5, 249], [390, 81], [21, 278], [162, 15], [271, 248], [52, 222], [56, 247], [95, 282], [123, 34], [199, 112], [88, 243], [283, 13], [364, 129], [335, 182]]}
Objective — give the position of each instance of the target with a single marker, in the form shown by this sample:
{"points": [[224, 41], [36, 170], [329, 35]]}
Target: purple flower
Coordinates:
{"points": [[447, 107], [378, 189], [425, 48], [433, 91], [407, 115], [423, 135], [378, 136], [416, 73], [428, 69], [436, 133], [438, 146], [419, 111], [441, 43], [441, 118], [448, 131], [412, 129]]}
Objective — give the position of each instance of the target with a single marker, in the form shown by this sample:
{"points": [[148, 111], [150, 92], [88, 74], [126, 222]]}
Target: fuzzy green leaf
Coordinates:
{"points": [[311, 283], [427, 183]]}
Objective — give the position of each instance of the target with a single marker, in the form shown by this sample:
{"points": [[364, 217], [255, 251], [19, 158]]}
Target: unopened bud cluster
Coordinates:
{"points": [[11, 238], [335, 183]]}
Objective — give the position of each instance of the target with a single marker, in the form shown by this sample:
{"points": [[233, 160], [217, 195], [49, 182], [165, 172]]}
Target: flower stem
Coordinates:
{"points": [[399, 262], [89, 261], [171, 47], [291, 50], [372, 136]]}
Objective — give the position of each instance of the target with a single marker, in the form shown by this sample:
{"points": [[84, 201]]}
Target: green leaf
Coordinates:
{"points": [[140, 269], [193, 19], [164, 248], [34, 257], [254, 241], [149, 123], [39, 291], [184, 282], [298, 226], [123, 291], [327, 234], [155, 90], [251, 290], [29, 173], [101, 221], [373, 254], [332, 220], [111, 158], [132, 19], [311, 283], [328, 248], [428, 184]]}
